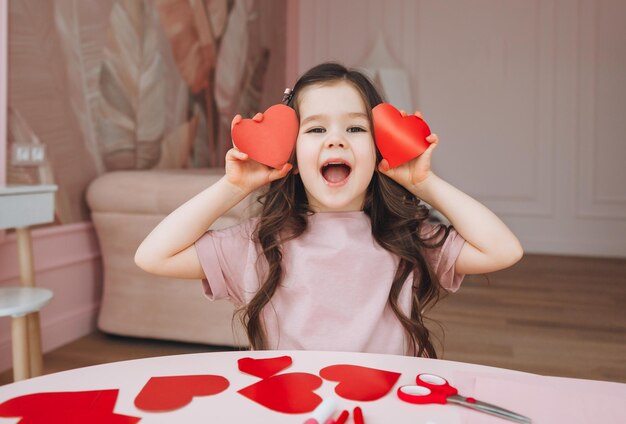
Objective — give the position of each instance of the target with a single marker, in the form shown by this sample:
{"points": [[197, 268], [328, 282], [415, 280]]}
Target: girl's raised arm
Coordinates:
{"points": [[169, 249], [490, 245]]}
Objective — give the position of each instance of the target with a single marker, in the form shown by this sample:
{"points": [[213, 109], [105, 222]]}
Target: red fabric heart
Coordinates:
{"points": [[399, 138], [270, 141], [265, 367], [360, 383], [291, 393], [172, 392], [94, 407]]}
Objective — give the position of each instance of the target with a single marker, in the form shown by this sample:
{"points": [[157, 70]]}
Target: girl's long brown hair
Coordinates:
{"points": [[395, 214]]}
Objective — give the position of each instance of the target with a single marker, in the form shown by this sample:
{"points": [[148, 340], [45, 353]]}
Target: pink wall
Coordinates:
{"points": [[3, 88], [72, 273], [293, 14]]}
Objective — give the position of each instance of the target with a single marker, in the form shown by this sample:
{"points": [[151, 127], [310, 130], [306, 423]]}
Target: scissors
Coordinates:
{"points": [[431, 388]]}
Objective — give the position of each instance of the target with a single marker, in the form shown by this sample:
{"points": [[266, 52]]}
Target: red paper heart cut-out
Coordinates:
{"points": [[360, 383], [264, 367], [173, 392], [399, 138], [270, 141], [291, 393], [92, 407]]}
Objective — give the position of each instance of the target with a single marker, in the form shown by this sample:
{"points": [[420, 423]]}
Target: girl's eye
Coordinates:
{"points": [[320, 130]]}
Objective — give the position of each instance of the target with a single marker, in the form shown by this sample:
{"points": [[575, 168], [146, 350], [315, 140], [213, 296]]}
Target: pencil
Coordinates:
{"points": [[343, 417], [358, 416]]}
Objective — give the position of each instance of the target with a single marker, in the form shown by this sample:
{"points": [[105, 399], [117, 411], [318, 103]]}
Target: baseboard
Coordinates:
{"points": [[593, 248]]}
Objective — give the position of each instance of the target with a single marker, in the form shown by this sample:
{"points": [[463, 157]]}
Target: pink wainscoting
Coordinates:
{"points": [[67, 261]]}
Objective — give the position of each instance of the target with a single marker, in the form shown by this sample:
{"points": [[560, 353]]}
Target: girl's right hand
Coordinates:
{"points": [[248, 174]]}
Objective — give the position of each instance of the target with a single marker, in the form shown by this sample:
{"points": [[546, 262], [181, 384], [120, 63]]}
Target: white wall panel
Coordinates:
{"points": [[528, 98], [601, 129]]}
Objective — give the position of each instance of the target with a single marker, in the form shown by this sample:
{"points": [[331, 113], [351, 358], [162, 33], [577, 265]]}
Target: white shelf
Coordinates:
{"points": [[22, 206]]}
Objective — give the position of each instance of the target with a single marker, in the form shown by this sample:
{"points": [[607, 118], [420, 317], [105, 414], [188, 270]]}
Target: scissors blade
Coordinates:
{"points": [[490, 409]]}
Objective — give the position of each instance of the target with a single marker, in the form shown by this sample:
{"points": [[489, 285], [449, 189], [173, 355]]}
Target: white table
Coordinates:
{"points": [[21, 207], [546, 400]]}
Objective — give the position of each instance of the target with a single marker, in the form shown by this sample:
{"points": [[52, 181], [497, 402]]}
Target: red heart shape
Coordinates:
{"points": [[172, 392], [399, 138], [265, 367], [290, 393], [66, 407], [360, 383], [270, 141]]}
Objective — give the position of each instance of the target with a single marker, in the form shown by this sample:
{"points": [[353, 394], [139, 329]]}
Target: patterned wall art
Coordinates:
{"points": [[111, 85]]}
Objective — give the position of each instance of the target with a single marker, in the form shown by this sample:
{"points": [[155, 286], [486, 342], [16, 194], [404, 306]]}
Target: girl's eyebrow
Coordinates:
{"points": [[322, 116]]}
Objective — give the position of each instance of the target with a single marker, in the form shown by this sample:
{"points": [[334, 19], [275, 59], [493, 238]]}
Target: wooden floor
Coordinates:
{"points": [[551, 315]]}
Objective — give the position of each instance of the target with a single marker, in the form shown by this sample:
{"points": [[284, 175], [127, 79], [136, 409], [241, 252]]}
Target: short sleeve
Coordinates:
{"points": [[224, 255], [442, 259]]}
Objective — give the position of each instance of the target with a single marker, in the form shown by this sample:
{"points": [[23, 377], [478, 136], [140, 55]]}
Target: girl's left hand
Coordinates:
{"points": [[411, 174]]}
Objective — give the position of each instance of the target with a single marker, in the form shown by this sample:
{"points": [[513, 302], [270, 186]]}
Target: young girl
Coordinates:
{"points": [[341, 256]]}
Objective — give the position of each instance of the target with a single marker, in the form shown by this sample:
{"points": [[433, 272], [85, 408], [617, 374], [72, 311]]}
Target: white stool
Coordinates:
{"points": [[21, 207], [18, 302]]}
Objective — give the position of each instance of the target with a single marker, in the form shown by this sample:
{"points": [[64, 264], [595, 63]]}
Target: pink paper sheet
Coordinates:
{"points": [[546, 400]]}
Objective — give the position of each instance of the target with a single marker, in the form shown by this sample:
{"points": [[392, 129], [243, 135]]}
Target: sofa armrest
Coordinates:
{"points": [[125, 207]]}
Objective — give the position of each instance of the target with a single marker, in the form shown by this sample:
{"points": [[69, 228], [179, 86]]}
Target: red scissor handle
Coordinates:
{"points": [[430, 388], [436, 384], [420, 395]]}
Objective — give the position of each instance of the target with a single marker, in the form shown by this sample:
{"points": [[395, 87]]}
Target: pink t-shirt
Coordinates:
{"points": [[335, 287]]}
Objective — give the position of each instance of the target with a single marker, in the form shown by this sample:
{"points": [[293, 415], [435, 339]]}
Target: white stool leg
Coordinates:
{"points": [[25, 256], [21, 366], [34, 344], [27, 276]]}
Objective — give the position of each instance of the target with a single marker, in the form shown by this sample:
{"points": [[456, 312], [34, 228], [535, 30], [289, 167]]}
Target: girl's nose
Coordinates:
{"points": [[335, 141]]}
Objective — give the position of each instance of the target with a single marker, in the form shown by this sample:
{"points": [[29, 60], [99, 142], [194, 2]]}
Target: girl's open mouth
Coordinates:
{"points": [[335, 172]]}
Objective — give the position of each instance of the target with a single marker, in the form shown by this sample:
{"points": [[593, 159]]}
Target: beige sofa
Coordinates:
{"points": [[126, 206]]}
